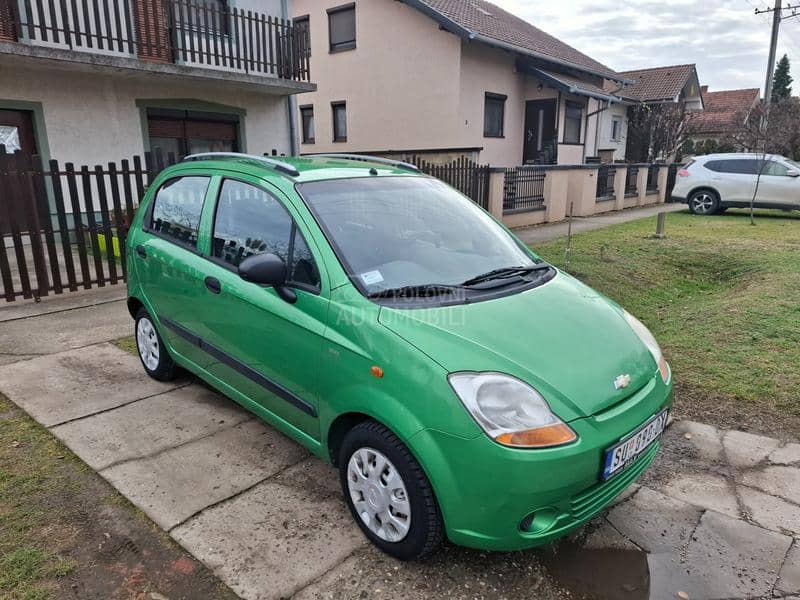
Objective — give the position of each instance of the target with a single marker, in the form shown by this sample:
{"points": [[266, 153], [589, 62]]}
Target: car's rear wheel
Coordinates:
{"points": [[154, 355], [704, 202], [388, 494]]}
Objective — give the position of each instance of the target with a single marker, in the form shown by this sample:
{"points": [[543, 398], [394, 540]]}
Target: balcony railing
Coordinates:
{"points": [[191, 32]]}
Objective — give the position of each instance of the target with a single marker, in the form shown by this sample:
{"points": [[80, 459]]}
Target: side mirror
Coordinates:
{"points": [[792, 173], [267, 269]]}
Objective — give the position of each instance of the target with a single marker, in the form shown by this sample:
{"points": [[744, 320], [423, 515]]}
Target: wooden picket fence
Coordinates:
{"points": [[467, 176], [63, 228]]}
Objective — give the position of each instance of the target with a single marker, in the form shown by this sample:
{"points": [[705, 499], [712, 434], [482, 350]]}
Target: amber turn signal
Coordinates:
{"points": [[376, 371], [543, 437]]}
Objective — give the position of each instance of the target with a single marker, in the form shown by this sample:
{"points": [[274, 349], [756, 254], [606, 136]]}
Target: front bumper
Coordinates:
{"points": [[485, 490]]}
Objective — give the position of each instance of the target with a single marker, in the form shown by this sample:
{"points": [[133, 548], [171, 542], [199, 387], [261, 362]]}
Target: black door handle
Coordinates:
{"points": [[141, 251], [213, 284]]}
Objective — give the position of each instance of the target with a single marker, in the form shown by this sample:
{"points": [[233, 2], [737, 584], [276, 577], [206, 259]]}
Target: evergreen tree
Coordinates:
{"points": [[782, 81]]}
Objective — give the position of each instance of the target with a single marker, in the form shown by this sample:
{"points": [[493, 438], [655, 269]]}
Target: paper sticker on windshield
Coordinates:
{"points": [[371, 277]]}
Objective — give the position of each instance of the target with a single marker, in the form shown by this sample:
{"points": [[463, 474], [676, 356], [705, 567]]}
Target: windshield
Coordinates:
{"points": [[394, 232]]}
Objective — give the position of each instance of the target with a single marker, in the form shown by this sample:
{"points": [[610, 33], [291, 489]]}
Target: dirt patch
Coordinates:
{"points": [[727, 412], [67, 534]]}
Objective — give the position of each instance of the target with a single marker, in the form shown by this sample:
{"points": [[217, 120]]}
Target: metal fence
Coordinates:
{"points": [[196, 32], [64, 227], [523, 189], [605, 182], [467, 176], [652, 178], [632, 181]]}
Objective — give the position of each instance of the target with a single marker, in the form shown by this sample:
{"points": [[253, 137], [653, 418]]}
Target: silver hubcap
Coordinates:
{"points": [[379, 494], [702, 203], [147, 341]]}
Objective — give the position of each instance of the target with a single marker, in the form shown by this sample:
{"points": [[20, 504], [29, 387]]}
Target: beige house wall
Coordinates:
{"points": [[92, 118]]}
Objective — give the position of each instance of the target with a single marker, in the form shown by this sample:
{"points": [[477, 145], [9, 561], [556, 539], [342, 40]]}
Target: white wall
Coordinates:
{"points": [[604, 141], [92, 118]]}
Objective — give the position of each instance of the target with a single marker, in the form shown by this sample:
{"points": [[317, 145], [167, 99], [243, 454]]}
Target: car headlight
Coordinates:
{"points": [[510, 411], [650, 341]]}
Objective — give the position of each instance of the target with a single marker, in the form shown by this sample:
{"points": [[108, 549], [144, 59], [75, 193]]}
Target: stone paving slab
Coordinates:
{"points": [[778, 481], [706, 490], [177, 483], [284, 533], [746, 449], [66, 330], [706, 439], [655, 522], [69, 385], [771, 512], [149, 426], [789, 580], [787, 455]]}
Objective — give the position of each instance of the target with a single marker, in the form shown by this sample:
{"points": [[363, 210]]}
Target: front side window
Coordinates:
{"points": [[251, 221], [342, 27], [177, 208], [776, 168], [392, 232], [494, 115], [572, 123], [339, 121], [307, 117]]}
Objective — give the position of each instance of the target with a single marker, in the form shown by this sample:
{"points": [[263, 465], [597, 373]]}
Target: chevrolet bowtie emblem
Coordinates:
{"points": [[622, 381]]}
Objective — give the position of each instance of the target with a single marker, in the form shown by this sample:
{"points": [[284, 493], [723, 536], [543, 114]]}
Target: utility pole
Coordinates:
{"points": [[773, 47]]}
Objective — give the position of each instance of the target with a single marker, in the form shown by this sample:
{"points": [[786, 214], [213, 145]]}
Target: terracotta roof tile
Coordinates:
{"points": [[659, 83], [491, 21], [723, 110]]}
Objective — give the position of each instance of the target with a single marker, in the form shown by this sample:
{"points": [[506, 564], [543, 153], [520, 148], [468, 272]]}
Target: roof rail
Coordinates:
{"points": [[278, 165], [366, 158]]}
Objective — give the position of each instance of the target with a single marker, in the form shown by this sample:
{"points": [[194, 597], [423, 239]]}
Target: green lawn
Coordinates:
{"points": [[722, 297]]}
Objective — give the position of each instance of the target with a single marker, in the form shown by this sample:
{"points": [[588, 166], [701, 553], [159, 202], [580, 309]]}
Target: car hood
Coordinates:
{"points": [[563, 338]]}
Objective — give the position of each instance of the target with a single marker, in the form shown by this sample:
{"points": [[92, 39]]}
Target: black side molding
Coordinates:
{"points": [[241, 368]]}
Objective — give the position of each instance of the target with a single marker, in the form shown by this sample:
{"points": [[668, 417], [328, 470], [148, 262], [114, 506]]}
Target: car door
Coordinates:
{"points": [[168, 261], [265, 347], [734, 179], [777, 188]]}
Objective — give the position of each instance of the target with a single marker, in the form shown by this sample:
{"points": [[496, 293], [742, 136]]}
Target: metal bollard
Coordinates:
{"points": [[662, 218]]}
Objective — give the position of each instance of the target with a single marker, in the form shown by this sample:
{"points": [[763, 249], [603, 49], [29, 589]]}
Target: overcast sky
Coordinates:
{"points": [[726, 40]]}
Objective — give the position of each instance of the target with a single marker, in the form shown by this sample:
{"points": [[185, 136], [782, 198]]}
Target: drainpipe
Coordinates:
{"points": [[291, 101]]}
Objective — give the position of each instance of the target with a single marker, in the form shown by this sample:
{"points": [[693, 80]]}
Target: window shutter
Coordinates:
{"points": [[152, 28], [8, 28]]}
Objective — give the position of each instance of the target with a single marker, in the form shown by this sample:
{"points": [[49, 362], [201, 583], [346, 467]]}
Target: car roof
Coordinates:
{"points": [[730, 155], [302, 169]]}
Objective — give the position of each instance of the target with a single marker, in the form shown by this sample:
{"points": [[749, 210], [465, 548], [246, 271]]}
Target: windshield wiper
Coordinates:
{"points": [[416, 291], [506, 272]]}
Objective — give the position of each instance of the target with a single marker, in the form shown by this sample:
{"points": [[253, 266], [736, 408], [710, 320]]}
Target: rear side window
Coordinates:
{"points": [[177, 208], [740, 166], [251, 221]]}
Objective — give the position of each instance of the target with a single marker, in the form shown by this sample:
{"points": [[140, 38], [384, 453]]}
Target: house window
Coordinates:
{"points": [[342, 27], [307, 117], [202, 15], [303, 27], [182, 132], [572, 123], [494, 111], [339, 121], [616, 129]]}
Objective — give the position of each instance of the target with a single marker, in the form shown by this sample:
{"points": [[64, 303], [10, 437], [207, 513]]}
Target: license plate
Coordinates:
{"points": [[625, 452]]}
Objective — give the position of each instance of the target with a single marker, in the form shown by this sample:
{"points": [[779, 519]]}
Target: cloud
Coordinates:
{"points": [[724, 38]]}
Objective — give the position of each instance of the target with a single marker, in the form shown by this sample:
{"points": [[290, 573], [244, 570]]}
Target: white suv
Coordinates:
{"points": [[709, 184]]}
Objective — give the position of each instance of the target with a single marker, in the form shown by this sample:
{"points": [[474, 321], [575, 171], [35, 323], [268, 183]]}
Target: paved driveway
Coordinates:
{"points": [[718, 516]]}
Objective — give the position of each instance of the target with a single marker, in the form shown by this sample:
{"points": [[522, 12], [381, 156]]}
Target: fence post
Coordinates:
{"points": [[641, 185], [497, 178], [583, 190], [619, 186], [663, 174], [556, 186]]}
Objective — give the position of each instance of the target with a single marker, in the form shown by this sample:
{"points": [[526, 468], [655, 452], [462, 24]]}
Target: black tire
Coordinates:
{"points": [[704, 202], [426, 530], [164, 368]]}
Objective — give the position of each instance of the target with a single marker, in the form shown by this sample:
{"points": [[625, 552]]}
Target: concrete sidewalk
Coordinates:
{"points": [[551, 231], [717, 516]]}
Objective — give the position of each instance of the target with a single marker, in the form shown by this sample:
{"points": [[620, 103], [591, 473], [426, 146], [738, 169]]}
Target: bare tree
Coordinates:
{"points": [[656, 131]]}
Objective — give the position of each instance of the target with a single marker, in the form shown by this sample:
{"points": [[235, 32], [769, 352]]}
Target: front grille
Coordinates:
{"points": [[596, 497]]}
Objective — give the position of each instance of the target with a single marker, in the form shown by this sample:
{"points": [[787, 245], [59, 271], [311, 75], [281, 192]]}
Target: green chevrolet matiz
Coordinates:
{"points": [[463, 387]]}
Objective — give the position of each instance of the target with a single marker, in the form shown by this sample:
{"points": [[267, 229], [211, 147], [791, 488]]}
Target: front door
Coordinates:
{"points": [[777, 187], [266, 348], [16, 135], [540, 131]]}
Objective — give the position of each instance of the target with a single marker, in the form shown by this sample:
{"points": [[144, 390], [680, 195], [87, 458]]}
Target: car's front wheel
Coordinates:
{"points": [[388, 494], [154, 355], [704, 202]]}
